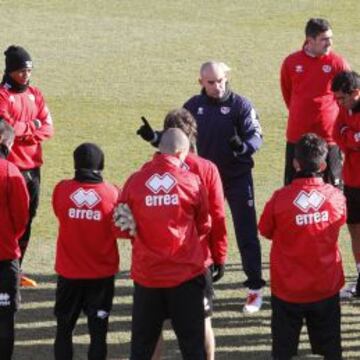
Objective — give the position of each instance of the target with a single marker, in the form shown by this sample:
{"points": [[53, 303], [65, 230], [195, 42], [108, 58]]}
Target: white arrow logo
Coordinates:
{"points": [[163, 182], [82, 197], [306, 201]]}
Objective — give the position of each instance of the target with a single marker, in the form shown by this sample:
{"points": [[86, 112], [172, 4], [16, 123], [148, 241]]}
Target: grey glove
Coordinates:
{"points": [[123, 219]]}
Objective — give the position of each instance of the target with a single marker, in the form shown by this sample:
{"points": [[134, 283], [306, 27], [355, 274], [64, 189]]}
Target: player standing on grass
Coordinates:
{"points": [[23, 107], [303, 220], [306, 77], [346, 87], [170, 208], [87, 257], [14, 213]]}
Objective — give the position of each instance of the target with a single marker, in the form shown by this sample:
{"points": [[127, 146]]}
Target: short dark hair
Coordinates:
{"points": [[183, 120], [7, 133], [346, 81], [311, 151], [316, 26]]}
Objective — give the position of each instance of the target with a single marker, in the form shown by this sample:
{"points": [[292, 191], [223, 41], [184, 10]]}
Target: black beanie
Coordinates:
{"points": [[16, 58], [88, 156]]}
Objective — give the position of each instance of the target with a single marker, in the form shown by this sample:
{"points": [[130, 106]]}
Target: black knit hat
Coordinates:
{"points": [[88, 156], [16, 58]]}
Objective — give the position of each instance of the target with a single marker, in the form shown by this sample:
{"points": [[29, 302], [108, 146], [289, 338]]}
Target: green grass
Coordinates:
{"points": [[103, 64]]}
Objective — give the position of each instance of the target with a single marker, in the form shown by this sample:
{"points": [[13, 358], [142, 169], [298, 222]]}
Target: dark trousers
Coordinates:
{"points": [[239, 192], [9, 301], [32, 179], [94, 297], [323, 324], [183, 305], [332, 174]]}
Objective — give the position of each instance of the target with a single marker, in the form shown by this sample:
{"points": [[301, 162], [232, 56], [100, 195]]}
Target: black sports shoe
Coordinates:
{"points": [[357, 288]]}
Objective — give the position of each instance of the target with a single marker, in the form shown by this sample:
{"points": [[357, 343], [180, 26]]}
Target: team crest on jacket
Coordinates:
{"points": [[306, 201], [299, 68], [326, 68], [200, 111], [31, 97], [224, 110]]}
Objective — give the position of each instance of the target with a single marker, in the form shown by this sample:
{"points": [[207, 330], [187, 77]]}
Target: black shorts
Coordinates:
{"points": [[332, 174], [322, 321], [353, 204], [9, 286], [182, 304], [93, 296]]}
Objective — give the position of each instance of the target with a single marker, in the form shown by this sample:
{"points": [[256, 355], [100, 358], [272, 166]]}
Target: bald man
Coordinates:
{"points": [[171, 212], [229, 134]]}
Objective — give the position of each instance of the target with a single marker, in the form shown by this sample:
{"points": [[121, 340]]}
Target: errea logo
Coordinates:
{"points": [[84, 201], [88, 198], [306, 201], [4, 299], [161, 183], [310, 201]]}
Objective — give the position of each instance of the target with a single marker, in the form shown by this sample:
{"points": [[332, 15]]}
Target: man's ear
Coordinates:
{"points": [[200, 82], [356, 93], [323, 166], [296, 165]]}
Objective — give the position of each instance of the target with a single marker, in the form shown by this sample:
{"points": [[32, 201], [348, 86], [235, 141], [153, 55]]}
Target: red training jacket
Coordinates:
{"points": [[216, 246], [347, 136], [14, 210], [306, 89], [170, 207], [86, 244], [19, 110], [303, 221]]}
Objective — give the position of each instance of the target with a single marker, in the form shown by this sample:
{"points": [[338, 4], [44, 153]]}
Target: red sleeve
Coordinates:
{"points": [[46, 130], [202, 216], [267, 219], [217, 238], [18, 200], [345, 136], [285, 83]]}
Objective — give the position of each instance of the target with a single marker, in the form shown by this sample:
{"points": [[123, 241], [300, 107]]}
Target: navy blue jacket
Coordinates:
{"points": [[217, 122]]}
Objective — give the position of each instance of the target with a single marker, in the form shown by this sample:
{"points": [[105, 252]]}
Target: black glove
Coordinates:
{"points": [[217, 271], [236, 144], [146, 131]]}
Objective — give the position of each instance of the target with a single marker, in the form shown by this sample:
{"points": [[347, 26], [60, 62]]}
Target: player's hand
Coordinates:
{"points": [[123, 219], [236, 144], [218, 271], [37, 123], [146, 131]]}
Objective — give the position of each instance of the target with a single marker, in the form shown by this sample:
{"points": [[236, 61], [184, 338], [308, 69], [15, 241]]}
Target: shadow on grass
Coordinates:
{"points": [[238, 336]]}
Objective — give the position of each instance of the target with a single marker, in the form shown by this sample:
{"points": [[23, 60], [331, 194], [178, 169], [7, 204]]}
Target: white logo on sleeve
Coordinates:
{"points": [[4, 299], [84, 201], [161, 183], [310, 201]]}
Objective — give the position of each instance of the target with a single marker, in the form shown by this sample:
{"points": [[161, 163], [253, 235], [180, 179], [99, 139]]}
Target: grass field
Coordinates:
{"points": [[103, 64]]}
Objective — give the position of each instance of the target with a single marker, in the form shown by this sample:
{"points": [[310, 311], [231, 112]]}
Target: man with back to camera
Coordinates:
{"points": [[346, 88], [303, 220], [305, 79], [23, 107], [229, 134], [170, 208], [14, 214], [216, 244]]}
